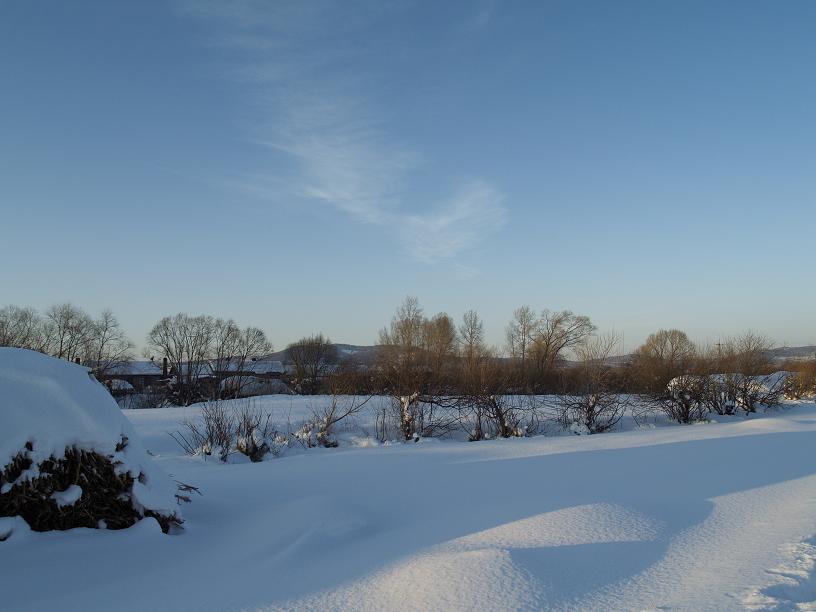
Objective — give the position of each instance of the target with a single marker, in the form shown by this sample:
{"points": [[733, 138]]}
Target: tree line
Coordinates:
{"points": [[434, 367], [67, 332]]}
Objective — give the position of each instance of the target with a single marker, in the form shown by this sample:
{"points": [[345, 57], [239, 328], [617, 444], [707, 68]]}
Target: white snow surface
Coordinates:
{"points": [[718, 516], [56, 404]]}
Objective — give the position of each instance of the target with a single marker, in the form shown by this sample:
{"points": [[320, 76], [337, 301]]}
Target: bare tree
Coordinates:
{"points": [[69, 330], [665, 355], [22, 327], [400, 351], [312, 356], [556, 333], [712, 378], [803, 381], [107, 345], [187, 342], [342, 405], [498, 414], [749, 378], [420, 405], [595, 403], [440, 344], [672, 372], [232, 351], [519, 335], [477, 372], [684, 400], [471, 333]]}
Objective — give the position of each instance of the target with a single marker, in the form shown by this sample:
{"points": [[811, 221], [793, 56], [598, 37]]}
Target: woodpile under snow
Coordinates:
{"points": [[68, 457]]}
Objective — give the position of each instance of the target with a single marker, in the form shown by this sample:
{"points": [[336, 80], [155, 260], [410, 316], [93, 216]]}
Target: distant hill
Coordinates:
{"points": [[793, 352]]}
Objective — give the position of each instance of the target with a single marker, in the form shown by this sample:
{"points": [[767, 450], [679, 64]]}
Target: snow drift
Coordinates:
{"points": [[68, 457]]}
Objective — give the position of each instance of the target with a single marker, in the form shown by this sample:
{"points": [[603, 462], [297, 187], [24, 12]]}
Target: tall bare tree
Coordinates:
{"points": [[440, 345], [408, 376], [595, 403], [22, 327], [472, 339], [519, 335], [749, 378], [556, 333], [69, 330], [232, 351], [313, 356], [187, 342], [107, 346], [664, 355]]}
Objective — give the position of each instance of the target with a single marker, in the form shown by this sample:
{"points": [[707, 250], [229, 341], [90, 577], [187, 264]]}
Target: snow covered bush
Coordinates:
{"points": [[592, 412], [253, 432], [68, 457], [693, 396], [684, 399], [766, 392], [223, 431], [717, 394], [214, 433]]}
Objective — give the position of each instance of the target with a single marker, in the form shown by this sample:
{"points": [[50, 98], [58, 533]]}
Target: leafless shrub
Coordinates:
{"points": [[717, 394], [596, 404], [423, 416], [592, 412], [508, 416], [382, 424], [750, 381], [684, 399], [752, 392], [340, 407], [802, 380], [253, 432], [214, 434], [643, 411], [221, 431]]}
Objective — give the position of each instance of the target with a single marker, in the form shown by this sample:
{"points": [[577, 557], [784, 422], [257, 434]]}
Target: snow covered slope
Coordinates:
{"points": [[707, 517]]}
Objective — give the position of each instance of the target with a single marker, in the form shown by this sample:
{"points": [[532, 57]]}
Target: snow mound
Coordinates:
{"points": [[55, 412]]}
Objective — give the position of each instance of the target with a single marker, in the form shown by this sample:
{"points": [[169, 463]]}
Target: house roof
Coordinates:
{"points": [[136, 368], [256, 366]]}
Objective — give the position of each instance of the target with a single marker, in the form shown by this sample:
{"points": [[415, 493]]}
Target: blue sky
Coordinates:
{"points": [[303, 166]]}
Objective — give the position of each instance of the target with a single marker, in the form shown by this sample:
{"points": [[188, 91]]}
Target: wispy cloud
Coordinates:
{"points": [[300, 64], [344, 160], [459, 224], [481, 18]]}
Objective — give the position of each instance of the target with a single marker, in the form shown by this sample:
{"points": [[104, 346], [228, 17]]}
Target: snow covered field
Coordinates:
{"points": [[715, 516]]}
